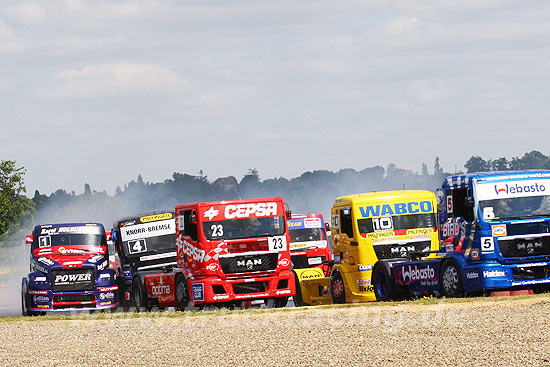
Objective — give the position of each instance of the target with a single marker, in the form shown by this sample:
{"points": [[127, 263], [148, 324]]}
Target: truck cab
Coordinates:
{"points": [[372, 230], [311, 257], [145, 245], [499, 226], [69, 270]]}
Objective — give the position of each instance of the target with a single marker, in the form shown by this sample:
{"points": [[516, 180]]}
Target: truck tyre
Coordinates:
{"points": [[25, 301], [298, 300], [383, 282], [337, 288], [139, 294], [182, 293], [451, 280], [275, 302]]}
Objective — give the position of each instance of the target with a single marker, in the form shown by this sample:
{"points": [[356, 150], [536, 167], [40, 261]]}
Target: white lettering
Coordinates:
{"points": [[418, 274], [246, 210]]}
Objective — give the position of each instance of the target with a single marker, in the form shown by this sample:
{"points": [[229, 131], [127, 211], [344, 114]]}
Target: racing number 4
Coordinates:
{"points": [[487, 244], [277, 243]]}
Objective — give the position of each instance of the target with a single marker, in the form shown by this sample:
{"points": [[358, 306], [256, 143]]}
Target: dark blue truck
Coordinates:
{"points": [[494, 229], [69, 270]]}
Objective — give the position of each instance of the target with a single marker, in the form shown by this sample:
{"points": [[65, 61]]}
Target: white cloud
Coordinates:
{"points": [[429, 90], [116, 79], [9, 42]]}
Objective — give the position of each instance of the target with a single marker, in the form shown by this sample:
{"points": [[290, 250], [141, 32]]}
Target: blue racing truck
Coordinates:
{"points": [[69, 270], [494, 229]]}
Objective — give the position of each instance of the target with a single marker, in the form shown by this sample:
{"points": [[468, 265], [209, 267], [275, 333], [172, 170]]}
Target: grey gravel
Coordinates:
{"points": [[482, 332]]}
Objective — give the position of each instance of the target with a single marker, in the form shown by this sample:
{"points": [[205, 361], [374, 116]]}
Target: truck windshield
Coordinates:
{"points": [[244, 228], [72, 239], [307, 234], [396, 222], [515, 208]]}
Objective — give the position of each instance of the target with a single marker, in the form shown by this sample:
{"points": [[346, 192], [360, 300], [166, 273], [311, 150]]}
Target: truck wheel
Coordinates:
{"points": [[383, 283], [139, 294], [337, 288], [451, 280], [298, 300], [276, 302], [182, 293], [25, 301]]}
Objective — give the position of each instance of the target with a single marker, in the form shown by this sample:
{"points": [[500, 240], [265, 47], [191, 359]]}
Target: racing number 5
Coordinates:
{"points": [[487, 244]]}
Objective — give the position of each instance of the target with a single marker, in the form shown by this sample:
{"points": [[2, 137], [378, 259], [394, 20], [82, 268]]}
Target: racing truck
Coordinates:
{"points": [[495, 228], [145, 245], [228, 253], [69, 270], [311, 257]]}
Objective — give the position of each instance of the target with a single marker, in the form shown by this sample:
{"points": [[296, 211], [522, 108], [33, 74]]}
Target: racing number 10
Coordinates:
{"points": [[382, 224]]}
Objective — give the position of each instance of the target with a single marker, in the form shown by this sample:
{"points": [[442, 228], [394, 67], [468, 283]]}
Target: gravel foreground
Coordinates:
{"points": [[478, 332]]}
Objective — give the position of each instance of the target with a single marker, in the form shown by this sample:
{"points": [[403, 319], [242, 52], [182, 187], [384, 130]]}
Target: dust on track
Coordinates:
{"points": [[477, 332]]}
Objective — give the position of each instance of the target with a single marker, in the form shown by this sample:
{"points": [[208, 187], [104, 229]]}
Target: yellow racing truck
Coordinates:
{"points": [[372, 230]]}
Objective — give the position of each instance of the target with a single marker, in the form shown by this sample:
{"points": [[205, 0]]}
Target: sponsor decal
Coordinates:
{"points": [[40, 268], [363, 282], [146, 230], [375, 235], [246, 210], [160, 289], [129, 223], [107, 295], [494, 273], [513, 188], [40, 279], [88, 229], [69, 251], [212, 267], [103, 265], [284, 262], [499, 229], [195, 253], [106, 303], [211, 213], [95, 259], [475, 254], [72, 278], [411, 207], [37, 292], [219, 297], [417, 231], [46, 261], [313, 223], [282, 291], [472, 275], [310, 274], [41, 299], [315, 260], [198, 292], [155, 217], [158, 256], [43, 306], [450, 229], [411, 274], [104, 276], [365, 267], [108, 289], [366, 288]]}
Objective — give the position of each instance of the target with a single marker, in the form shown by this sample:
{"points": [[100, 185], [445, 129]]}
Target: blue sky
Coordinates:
{"points": [[96, 91]]}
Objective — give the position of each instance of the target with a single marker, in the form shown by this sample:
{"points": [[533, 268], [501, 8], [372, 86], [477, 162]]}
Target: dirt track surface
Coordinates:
{"points": [[482, 332]]}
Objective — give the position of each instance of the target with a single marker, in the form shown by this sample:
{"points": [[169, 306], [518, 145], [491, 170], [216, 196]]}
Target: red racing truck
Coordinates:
{"points": [[228, 252]]}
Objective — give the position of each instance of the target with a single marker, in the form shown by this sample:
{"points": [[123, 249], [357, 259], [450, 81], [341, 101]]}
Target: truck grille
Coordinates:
{"points": [[523, 247], [394, 250], [249, 263], [254, 287], [72, 280]]}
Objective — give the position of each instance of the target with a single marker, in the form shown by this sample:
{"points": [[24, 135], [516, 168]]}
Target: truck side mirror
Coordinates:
{"points": [[327, 227], [193, 216], [28, 239], [288, 214]]}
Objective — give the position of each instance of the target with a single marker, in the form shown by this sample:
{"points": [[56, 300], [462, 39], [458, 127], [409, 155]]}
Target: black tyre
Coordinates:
{"points": [[383, 282], [276, 302], [139, 295], [337, 288], [298, 300], [450, 280], [182, 293]]}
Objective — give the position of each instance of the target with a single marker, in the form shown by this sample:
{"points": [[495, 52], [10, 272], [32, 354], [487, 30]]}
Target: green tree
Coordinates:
{"points": [[476, 164], [15, 208]]}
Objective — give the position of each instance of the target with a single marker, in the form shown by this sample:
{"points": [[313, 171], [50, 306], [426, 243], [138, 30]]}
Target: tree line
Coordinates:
{"points": [[311, 192]]}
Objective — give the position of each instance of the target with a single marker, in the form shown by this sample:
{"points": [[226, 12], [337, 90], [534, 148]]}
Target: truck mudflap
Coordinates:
{"points": [[314, 286], [421, 277], [48, 301], [212, 290]]}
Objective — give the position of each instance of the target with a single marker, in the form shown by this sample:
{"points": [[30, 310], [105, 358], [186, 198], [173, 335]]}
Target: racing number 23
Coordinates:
{"points": [[277, 243]]}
